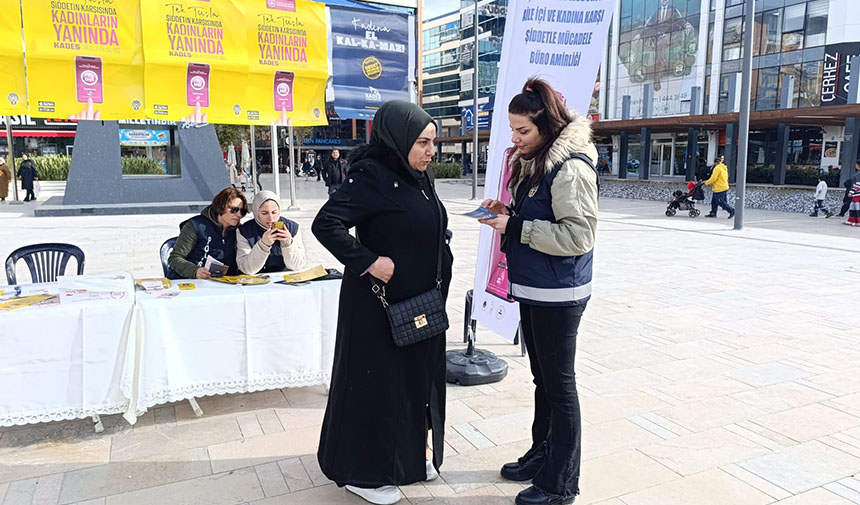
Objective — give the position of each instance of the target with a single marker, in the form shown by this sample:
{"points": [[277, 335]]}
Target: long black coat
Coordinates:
{"points": [[27, 173], [373, 433]]}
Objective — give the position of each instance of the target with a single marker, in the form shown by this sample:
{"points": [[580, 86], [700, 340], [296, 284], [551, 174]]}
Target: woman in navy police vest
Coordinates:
{"points": [[212, 233], [263, 246], [549, 234]]}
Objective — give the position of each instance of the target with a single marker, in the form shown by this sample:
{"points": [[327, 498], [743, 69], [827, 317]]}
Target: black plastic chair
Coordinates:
{"points": [[46, 262], [166, 248]]}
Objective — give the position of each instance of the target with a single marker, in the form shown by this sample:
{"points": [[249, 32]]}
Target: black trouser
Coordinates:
{"points": [[719, 199], [30, 195], [550, 337], [846, 202]]}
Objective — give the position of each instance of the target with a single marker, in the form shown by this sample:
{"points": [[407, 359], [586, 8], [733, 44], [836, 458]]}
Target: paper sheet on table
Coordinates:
{"points": [[26, 301], [308, 274]]}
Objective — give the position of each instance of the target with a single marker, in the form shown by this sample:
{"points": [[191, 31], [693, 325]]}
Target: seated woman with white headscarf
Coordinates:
{"points": [[269, 242]]}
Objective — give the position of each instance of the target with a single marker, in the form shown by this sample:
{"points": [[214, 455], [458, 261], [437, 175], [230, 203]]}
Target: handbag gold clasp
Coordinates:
{"points": [[420, 321]]}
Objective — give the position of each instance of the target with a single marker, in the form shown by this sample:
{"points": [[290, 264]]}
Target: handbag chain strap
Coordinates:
{"points": [[379, 290]]}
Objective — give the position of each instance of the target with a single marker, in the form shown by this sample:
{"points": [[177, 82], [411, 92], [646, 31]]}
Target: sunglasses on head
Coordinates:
{"points": [[236, 210]]}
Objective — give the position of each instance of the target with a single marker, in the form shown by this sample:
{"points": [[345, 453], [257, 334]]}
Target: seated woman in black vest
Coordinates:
{"points": [[263, 245], [212, 233]]}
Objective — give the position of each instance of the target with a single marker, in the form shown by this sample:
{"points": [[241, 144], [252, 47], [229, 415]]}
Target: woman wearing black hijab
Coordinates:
{"points": [[383, 398]]}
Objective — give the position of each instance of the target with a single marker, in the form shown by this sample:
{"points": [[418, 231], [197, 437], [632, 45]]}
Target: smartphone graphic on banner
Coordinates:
{"points": [[88, 79], [497, 281], [284, 91], [197, 84]]}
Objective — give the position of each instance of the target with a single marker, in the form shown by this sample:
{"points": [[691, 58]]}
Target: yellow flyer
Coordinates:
{"points": [[306, 275], [288, 62], [84, 59], [196, 60], [26, 301], [13, 87]]}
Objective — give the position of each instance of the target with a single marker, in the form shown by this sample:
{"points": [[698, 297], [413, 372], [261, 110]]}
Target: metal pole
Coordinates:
{"points": [[12, 157], [744, 136], [293, 205], [254, 161], [276, 173], [475, 111], [624, 147]]}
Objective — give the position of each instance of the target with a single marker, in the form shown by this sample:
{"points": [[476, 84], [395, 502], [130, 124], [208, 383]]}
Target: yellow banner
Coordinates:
{"points": [[196, 60], [288, 62], [13, 88], [84, 59]]}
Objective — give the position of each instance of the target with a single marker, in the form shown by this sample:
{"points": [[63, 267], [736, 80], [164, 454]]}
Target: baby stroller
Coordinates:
{"points": [[684, 202]]}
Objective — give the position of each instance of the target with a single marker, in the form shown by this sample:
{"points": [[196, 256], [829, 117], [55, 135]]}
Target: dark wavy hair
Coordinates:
{"points": [[222, 200], [545, 108]]}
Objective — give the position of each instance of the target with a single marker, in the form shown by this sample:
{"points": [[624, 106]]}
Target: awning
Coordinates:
{"points": [[43, 133]]}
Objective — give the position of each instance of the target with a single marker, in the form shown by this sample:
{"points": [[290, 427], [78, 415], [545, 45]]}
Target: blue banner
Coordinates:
{"points": [[370, 60], [136, 137], [467, 118]]}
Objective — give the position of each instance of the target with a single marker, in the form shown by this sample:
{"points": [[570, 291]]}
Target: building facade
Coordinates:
{"points": [[440, 77], [686, 55]]}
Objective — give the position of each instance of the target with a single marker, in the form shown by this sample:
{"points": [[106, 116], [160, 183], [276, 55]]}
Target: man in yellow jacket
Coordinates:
{"points": [[719, 180]]}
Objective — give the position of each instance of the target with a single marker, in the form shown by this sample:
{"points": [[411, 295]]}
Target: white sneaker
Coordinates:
{"points": [[432, 474], [385, 495]]}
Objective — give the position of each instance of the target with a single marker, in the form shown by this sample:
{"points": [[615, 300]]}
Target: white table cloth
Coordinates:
{"points": [[63, 361], [221, 338]]}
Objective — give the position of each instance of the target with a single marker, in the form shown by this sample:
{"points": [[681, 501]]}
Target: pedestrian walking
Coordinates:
{"points": [[383, 397], [719, 181], [854, 206], [549, 232], [848, 185], [334, 172], [29, 175], [820, 196], [5, 178]]}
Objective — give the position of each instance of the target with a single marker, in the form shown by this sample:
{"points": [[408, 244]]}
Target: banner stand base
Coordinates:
{"points": [[472, 367]]}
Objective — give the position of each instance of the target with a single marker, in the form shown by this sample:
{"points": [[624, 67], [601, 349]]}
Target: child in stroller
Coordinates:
{"points": [[681, 200]]}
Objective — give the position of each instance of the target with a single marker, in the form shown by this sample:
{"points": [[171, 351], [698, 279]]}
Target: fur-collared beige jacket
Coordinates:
{"points": [[574, 195]]}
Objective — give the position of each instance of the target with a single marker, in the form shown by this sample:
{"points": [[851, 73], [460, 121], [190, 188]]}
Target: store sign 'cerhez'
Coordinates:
{"points": [[835, 74]]}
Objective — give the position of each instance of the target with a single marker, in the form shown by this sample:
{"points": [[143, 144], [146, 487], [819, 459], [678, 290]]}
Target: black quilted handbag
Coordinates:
{"points": [[422, 316]]}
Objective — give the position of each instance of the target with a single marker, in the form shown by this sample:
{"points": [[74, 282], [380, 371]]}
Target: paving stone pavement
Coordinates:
{"points": [[715, 367]]}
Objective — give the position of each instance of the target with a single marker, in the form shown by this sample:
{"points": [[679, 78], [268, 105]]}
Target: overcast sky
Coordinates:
{"points": [[433, 8]]}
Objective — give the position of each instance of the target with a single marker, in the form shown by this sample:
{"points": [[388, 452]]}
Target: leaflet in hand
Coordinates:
{"points": [[480, 213], [215, 267]]}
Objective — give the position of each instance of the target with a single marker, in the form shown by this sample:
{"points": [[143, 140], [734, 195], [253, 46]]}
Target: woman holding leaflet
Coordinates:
{"points": [[548, 235]]}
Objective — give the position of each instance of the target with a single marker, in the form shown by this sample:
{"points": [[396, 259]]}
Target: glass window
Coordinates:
{"points": [[711, 43], [810, 84], [792, 41], [816, 23], [693, 7], [793, 71], [706, 100], [795, 17], [753, 87], [768, 84], [733, 39], [725, 83], [772, 37], [757, 36]]}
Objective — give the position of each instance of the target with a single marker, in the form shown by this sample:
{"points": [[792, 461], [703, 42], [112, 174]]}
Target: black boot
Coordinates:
{"points": [[527, 466], [535, 496]]}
